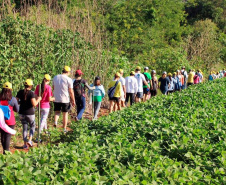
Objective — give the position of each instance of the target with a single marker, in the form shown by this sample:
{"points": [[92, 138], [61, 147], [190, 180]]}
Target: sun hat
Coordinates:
{"points": [[153, 71], [132, 73], [28, 82], [164, 73], [121, 71], [169, 74], [7, 85], [78, 72], [67, 68], [146, 68], [117, 74], [47, 77], [138, 68]]}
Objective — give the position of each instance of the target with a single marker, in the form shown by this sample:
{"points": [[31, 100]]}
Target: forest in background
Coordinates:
{"points": [[101, 36]]}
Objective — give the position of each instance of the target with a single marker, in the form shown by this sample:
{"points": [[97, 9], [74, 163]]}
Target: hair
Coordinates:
{"points": [[131, 74], [116, 76], [26, 91], [77, 75], [170, 77], [64, 71], [137, 70], [97, 81], [43, 86], [6, 94]]}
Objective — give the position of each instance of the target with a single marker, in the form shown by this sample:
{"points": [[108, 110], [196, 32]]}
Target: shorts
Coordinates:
{"points": [[146, 91], [139, 95], [116, 99], [63, 107], [153, 92]]}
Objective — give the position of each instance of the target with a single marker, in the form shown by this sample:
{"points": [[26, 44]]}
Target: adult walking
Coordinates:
{"points": [[117, 92], [171, 88], [6, 99], [140, 81], [190, 78], [177, 82], [26, 99], [131, 88], [98, 95], [196, 78], [79, 86], [185, 74], [146, 90], [47, 96], [200, 76], [63, 91], [164, 83], [154, 83], [123, 88]]}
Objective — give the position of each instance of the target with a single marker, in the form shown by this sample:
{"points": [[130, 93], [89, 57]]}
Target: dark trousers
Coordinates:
{"points": [[81, 106], [153, 92], [131, 97], [5, 139]]}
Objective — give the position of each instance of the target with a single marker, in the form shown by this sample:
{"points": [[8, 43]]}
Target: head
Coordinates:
{"points": [[6, 93], [121, 72], [78, 73], [66, 70], [178, 72], [117, 75], [169, 75], [164, 74], [97, 81], [196, 73], [138, 69], [28, 84], [132, 73], [45, 81], [183, 68], [146, 69], [174, 74], [153, 73]]}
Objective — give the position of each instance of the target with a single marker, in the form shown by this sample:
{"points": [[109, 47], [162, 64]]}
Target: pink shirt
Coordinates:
{"points": [[196, 79], [45, 97]]}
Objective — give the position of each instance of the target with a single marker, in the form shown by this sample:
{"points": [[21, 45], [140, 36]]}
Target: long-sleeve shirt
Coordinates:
{"points": [[3, 125], [131, 84], [98, 93]]}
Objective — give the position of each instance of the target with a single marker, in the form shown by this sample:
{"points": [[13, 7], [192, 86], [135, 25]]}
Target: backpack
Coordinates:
{"points": [[146, 78], [6, 111], [111, 91], [78, 87]]}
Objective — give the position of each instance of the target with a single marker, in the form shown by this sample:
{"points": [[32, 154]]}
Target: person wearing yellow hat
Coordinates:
{"points": [[131, 88], [27, 101], [140, 81], [171, 88], [123, 88], [47, 96], [114, 92], [6, 99], [210, 78], [64, 96], [190, 77]]}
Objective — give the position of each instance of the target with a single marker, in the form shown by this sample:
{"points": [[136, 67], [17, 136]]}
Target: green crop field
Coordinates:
{"points": [[175, 139]]}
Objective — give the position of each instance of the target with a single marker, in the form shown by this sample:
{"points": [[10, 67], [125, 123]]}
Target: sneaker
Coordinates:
{"points": [[37, 140], [25, 147], [65, 131], [55, 125], [30, 143], [76, 119]]}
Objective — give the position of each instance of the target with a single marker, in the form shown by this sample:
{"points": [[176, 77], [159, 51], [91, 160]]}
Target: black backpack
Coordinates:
{"points": [[79, 87], [146, 78]]}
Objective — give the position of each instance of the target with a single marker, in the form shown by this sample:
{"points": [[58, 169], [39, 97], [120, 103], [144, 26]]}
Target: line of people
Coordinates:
{"points": [[66, 92]]}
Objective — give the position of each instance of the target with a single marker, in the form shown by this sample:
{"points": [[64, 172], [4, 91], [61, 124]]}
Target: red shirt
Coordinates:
{"points": [[12, 120]]}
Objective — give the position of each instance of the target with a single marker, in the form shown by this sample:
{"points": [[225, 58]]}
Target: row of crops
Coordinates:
{"points": [[175, 139]]}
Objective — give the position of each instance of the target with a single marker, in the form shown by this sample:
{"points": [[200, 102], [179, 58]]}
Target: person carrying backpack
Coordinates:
{"points": [[171, 88], [47, 96], [164, 83], [64, 96], [185, 74], [154, 83], [114, 92], [79, 87], [196, 78], [26, 99], [176, 82], [146, 90], [210, 78], [6, 99], [98, 95]]}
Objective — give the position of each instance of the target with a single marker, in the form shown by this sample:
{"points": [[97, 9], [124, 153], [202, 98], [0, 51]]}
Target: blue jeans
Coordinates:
{"points": [[81, 106]]}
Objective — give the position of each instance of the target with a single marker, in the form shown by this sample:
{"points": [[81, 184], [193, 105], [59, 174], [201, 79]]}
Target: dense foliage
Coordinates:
{"points": [[176, 139]]}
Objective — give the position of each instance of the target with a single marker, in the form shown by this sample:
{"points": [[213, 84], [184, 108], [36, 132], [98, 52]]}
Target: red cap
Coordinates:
{"points": [[78, 72]]}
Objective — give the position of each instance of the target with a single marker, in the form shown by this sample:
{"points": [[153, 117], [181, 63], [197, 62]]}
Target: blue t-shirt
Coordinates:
{"points": [[210, 77], [164, 83]]}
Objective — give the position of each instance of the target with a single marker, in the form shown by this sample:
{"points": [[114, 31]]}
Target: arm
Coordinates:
{"points": [[15, 105], [35, 101], [89, 87], [3, 125], [71, 92]]}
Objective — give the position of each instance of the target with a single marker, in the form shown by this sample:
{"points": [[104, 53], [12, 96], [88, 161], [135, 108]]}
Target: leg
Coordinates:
{"points": [[44, 116], [31, 121], [127, 98], [65, 119], [118, 105], [132, 98], [3, 139], [111, 105], [96, 109], [7, 139], [82, 108], [24, 124]]}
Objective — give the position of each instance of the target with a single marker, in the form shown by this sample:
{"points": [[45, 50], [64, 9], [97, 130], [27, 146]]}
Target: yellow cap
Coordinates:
{"points": [[138, 68], [28, 82], [169, 74], [7, 85], [67, 68], [132, 73], [174, 73], [117, 74], [121, 71], [47, 77]]}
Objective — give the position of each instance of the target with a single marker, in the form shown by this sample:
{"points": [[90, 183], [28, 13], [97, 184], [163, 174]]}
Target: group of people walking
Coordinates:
{"points": [[66, 92]]}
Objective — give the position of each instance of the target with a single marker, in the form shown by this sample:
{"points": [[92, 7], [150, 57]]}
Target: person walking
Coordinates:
{"points": [[117, 93], [123, 88], [171, 88], [6, 99], [190, 78], [196, 78], [98, 95], [200, 76], [164, 83], [131, 88], [210, 78], [185, 74], [140, 81], [26, 99], [146, 90], [63, 91], [47, 96], [154, 83], [79, 86], [177, 86]]}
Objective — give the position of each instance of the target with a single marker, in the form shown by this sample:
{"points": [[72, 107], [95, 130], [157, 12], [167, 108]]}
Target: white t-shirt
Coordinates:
{"points": [[131, 84], [61, 84], [123, 82], [140, 79]]}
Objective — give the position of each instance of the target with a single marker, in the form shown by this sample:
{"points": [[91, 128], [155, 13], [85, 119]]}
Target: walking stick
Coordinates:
{"points": [[39, 115]]}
